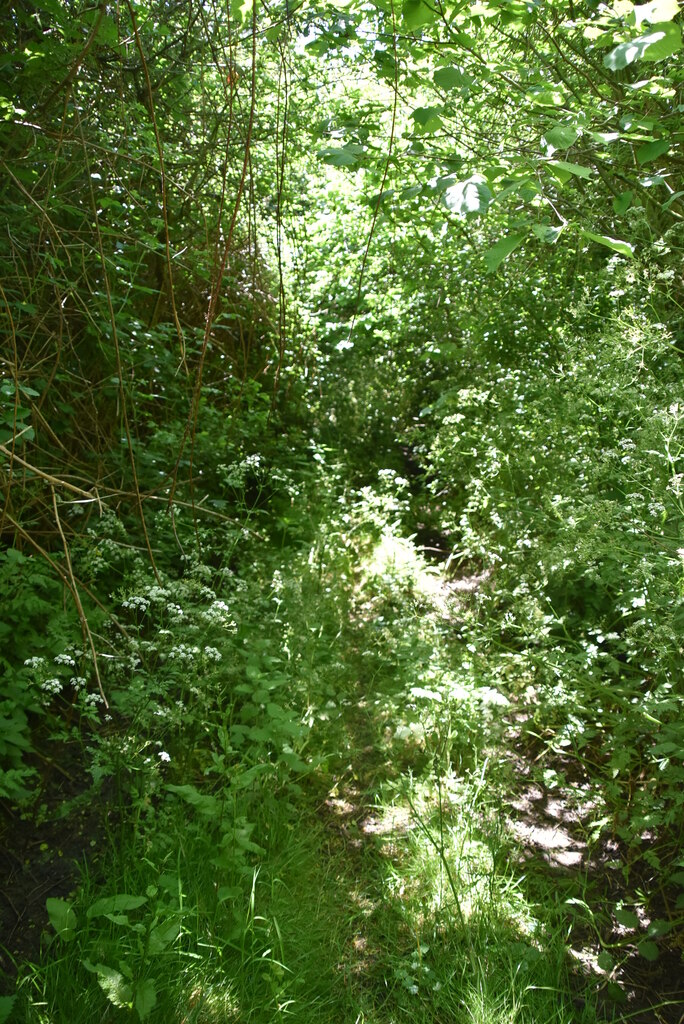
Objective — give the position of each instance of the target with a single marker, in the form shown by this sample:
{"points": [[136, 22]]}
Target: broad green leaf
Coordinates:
{"points": [[450, 78], [626, 918], [116, 988], [648, 950], [652, 150], [427, 119], [605, 961], [415, 14], [658, 928], [62, 918], [576, 169], [6, 1005], [605, 137], [120, 919], [468, 197], [495, 256], [547, 233], [293, 762], [347, 156], [238, 9], [546, 95], [108, 32], [657, 11], [624, 248], [524, 186], [205, 803], [319, 47], [623, 202], [115, 904], [381, 198], [145, 998], [112, 983], [561, 136], [662, 41], [615, 992]]}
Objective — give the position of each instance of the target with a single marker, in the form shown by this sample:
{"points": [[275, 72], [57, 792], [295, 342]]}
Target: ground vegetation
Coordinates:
{"points": [[342, 534]]}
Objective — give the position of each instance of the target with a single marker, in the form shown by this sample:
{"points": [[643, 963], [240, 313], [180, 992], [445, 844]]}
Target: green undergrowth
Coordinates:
{"points": [[303, 812]]}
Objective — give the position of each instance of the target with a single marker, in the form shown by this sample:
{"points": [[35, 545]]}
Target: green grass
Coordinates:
{"points": [[379, 887]]}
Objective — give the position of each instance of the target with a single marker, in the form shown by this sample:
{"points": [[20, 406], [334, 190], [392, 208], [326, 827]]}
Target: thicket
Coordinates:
{"points": [[277, 285]]}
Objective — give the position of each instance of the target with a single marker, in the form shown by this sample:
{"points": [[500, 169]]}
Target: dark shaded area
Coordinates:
{"points": [[41, 853]]}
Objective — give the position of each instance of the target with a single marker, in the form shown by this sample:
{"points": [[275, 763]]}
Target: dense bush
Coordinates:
{"points": [[564, 482]]}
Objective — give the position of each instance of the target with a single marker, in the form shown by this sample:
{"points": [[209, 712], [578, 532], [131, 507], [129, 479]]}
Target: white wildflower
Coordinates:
{"points": [[52, 686]]}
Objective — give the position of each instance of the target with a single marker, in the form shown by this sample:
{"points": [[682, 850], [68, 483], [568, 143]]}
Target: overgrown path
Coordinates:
{"points": [[448, 877], [332, 818], [414, 903]]}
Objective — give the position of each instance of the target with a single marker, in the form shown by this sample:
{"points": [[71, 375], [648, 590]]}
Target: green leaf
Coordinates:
{"points": [[605, 961], [468, 197], [657, 11], [495, 256], [62, 918], [427, 119], [546, 95], [547, 233], [672, 199], [662, 41], [381, 198], [6, 1004], [347, 156], [450, 78], [319, 47], [114, 904], [576, 169], [615, 992], [561, 136], [163, 935], [415, 14], [626, 918], [648, 950], [112, 983], [622, 202], [205, 803], [145, 998], [121, 919], [116, 988], [652, 150], [658, 928], [624, 248]]}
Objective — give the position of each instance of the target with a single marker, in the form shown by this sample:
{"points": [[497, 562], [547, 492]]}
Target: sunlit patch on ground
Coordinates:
{"points": [[396, 561], [389, 822], [211, 1003]]}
